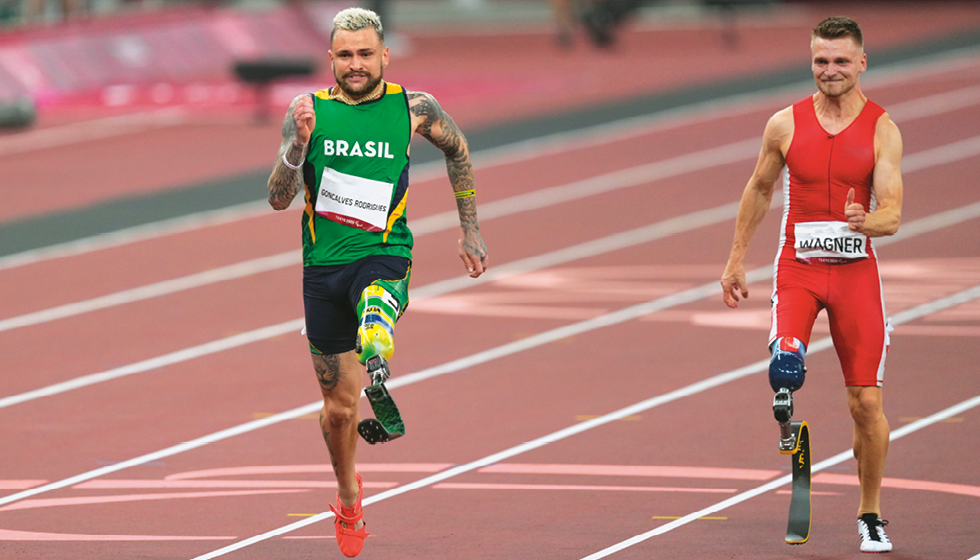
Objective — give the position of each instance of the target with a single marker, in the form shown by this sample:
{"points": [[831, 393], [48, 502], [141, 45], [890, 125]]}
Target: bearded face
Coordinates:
{"points": [[358, 59]]}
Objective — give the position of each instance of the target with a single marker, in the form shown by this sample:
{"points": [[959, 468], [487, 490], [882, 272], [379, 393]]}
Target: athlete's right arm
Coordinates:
{"points": [[297, 127], [755, 202]]}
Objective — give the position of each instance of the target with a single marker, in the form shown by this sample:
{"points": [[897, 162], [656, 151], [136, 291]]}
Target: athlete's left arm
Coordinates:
{"points": [[429, 120], [887, 184]]}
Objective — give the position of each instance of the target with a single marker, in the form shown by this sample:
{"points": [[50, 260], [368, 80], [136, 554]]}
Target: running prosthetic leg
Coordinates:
{"points": [[782, 409], [798, 527], [794, 439], [786, 374], [378, 310], [388, 424]]}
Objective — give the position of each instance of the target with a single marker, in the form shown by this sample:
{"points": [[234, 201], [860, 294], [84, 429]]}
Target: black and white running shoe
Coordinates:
{"points": [[872, 531]]}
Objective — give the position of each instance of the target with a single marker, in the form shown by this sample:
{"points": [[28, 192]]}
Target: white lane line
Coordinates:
{"points": [[639, 175], [149, 291], [534, 148], [177, 357], [933, 105], [91, 130], [782, 481], [591, 248], [154, 230], [949, 153], [504, 155], [534, 341], [537, 340], [693, 389], [963, 214], [422, 173]]}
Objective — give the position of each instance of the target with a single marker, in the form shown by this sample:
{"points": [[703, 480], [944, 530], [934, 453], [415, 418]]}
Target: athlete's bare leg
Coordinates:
{"points": [[870, 444], [340, 377]]}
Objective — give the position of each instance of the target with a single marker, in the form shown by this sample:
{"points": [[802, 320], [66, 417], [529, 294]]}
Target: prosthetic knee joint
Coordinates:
{"points": [[378, 310], [787, 372]]}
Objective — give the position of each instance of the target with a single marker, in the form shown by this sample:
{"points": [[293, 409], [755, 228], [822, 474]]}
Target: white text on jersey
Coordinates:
{"points": [[344, 148]]}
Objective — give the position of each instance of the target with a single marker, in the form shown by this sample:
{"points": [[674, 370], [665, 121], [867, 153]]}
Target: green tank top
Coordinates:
{"points": [[356, 179]]}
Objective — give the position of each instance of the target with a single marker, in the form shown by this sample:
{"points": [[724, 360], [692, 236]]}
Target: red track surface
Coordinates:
{"points": [[164, 510]]}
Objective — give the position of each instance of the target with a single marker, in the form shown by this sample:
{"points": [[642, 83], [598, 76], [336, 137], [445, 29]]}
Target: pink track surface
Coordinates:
{"points": [[566, 499]]}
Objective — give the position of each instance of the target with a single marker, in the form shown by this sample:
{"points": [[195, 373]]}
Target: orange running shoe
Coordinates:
{"points": [[350, 540]]}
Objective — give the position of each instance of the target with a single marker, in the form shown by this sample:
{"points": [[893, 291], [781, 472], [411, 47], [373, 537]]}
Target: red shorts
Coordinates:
{"points": [[851, 294]]}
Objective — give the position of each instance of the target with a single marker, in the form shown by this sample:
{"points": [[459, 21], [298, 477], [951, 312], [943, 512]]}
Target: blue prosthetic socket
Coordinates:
{"points": [[786, 367]]}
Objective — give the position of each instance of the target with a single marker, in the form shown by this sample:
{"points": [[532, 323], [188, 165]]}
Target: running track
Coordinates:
{"points": [[590, 397]]}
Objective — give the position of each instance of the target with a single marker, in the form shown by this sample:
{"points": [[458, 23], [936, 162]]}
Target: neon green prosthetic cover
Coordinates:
{"points": [[379, 308]]}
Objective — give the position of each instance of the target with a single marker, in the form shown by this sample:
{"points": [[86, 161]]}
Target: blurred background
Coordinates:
{"points": [[158, 108], [127, 53]]}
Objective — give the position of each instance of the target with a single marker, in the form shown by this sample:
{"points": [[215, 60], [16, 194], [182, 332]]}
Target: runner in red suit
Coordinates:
{"points": [[842, 188]]}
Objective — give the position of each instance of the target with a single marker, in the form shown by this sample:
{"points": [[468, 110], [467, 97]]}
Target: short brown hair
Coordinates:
{"points": [[838, 27]]}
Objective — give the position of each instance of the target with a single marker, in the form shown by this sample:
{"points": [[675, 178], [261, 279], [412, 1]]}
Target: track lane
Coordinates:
{"points": [[463, 326], [643, 350], [229, 248], [719, 441], [213, 294]]}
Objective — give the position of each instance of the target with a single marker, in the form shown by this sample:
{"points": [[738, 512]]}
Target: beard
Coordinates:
{"points": [[361, 90]]}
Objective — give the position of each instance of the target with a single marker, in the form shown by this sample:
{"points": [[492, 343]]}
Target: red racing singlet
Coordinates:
{"points": [[822, 168]]}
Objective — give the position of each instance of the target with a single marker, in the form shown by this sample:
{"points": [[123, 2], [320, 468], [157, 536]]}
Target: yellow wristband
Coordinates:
{"points": [[466, 194]]}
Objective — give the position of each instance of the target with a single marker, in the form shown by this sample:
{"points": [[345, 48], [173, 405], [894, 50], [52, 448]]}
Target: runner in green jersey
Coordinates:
{"points": [[349, 148]]}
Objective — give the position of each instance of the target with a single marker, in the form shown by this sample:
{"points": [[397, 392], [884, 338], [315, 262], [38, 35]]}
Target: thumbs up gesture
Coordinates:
{"points": [[854, 212]]}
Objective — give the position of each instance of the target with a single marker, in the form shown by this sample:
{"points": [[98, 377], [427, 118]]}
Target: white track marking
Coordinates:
{"points": [[399, 381], [693, 389], [542, 198], [86, 131], [154, 230], [591, 248], [784, 480], [306, 409], [641, 174], [638, 175], [955, 151], [534, 341], [935, 104], [231, 272], [542, 146], [522, 266], [177, 357]]}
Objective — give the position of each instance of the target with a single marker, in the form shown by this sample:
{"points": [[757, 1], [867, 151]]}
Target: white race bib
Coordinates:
{"points": [[354, 201], [829, 240]]}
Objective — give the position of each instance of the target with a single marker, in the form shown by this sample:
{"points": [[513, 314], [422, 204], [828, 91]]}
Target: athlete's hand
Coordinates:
{"points": [[473, 252], [733, 283], [305, 119], [854, 212]]}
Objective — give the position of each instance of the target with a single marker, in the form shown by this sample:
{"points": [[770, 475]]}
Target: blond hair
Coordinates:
{"points": [[356, 19]]}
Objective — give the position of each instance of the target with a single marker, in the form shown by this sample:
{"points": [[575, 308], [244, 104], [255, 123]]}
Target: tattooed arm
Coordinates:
{"points": [[297, 128], [429, 120]]}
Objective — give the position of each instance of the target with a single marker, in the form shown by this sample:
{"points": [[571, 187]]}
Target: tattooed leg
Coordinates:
{"points": [[340, 376]]}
